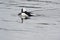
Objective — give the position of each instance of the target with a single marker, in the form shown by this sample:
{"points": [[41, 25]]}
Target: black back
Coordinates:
{"points": [[28, 13]]}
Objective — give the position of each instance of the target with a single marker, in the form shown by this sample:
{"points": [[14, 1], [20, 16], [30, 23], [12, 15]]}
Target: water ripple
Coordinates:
{"points": [[50, 2], [45, 1], [46, 23], [1, 3], [6, 20], [17, 30], [29, 6], [5, 29]]}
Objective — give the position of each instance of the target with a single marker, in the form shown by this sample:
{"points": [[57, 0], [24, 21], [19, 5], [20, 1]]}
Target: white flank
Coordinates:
{"points": [[23, 15]]}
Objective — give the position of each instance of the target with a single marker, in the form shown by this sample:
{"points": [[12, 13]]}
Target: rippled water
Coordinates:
{"points": [[44, 25]]}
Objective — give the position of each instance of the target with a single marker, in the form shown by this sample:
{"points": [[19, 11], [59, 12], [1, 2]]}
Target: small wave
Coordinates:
{"points": [[50, 2], [43, 23], [1, 3], [45, 1], [39, 27], [13, 4], [29, 7], [46, 24], [33, 0], [5, 29], [29, 0], [5, 20], [40, 15], [17, 30], [53, 9]]}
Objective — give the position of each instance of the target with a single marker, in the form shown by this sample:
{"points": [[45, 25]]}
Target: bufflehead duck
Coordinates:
{"points": [[24, 14]]}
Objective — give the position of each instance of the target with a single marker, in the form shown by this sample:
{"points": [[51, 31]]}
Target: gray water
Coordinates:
{"points": [[45, 25]]}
